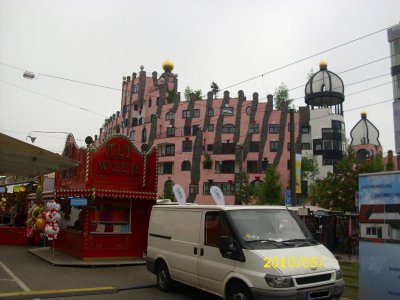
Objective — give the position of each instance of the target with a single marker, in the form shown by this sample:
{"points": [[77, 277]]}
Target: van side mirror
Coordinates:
{"points": [[228, 249]]}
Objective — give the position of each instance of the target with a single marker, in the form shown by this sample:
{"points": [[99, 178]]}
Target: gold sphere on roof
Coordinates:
{"points": [[323, 64], [168, 65], [363, 113]]}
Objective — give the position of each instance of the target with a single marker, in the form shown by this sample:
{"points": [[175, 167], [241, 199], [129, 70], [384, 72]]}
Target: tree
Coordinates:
{"points": [[309, 168], [214, 89], [269, 192], [337, 190], [243, 191], [171, 96], [282, 96], [390, 163], [168, 191], [188, 91]]}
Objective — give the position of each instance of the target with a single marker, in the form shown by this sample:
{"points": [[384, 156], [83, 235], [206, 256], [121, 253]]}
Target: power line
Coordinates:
{"points": [[52, 98], [308, 57], [63, 78]]}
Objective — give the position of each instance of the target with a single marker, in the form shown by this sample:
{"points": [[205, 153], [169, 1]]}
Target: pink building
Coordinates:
{"points": [[230, 134]]}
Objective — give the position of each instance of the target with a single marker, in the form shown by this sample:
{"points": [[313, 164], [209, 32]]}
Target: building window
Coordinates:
{"points": [[227, 111], [228, 128], [252, 167], [273, 146], [134, 121], [254, 128], [157, 101], [144, 135], [150, 102], [126, 108], [140, 121], [170, 150], [305, 146], [135, 107], [193, 189], [210, 127], [132, 135], [167, 167], [210, 147], [186, 146], [185, 165], [170, 131], [305, 129], [289, 164], [227, 148], [186, 114], [135, 89], [264, 166], [254, 146], [210, 112], [273, 128], [195, 129], [317, 146], [196, 113], [170, 116], [126, 123], [327, 145]]}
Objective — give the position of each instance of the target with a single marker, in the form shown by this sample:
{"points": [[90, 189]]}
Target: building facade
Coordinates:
{"points": [[394, 41], [210, 141]]}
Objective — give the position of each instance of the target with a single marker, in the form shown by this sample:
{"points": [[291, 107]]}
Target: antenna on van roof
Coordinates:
{"points": [[217, 194], [179, 194]]}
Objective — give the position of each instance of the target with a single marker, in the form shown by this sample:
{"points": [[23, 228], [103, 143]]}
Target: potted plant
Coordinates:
{"points": [[207, 162]]}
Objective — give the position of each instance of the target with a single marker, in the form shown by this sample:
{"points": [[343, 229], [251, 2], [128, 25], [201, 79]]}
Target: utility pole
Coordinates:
{"points": [[292, 159]]}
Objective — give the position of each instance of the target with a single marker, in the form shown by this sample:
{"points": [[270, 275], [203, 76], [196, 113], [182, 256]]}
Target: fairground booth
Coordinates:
{"points": [[106, 201]]}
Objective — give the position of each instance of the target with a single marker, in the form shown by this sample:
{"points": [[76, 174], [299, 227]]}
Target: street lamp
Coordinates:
{"points": [[28, 75], [32, 138]]}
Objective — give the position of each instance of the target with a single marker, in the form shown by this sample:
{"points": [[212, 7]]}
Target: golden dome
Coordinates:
{"points": [[323, 64], [168, 65], [364, 114]]}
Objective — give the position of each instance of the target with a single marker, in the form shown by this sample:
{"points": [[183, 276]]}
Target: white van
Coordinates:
{"points": [[240, 252]]}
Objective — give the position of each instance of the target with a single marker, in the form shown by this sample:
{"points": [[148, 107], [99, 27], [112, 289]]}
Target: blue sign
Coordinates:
{"points": [[379, 207], [78, 201], [288, 197]]}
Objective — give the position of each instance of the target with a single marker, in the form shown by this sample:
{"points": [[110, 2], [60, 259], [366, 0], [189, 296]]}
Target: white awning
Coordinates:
{"points": [[22, 159]]}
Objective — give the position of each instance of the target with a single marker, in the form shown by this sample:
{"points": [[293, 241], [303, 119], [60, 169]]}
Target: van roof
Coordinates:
{"points": [[221, 207]]}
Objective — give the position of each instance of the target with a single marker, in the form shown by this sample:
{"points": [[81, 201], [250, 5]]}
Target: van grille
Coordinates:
{"points": [[313, 279]]}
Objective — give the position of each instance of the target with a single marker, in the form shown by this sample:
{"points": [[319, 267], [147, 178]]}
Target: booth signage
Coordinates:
{"points": [[78, 201]]}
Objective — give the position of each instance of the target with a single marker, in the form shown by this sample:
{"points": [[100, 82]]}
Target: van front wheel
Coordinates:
{"points": [[164, 280], [239, 291]]}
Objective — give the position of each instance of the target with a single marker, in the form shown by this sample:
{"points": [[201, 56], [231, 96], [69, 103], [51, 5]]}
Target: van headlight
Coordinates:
{"points": [[339, 274], [279, 281]]}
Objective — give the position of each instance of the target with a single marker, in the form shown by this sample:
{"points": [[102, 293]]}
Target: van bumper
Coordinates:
{"points": [[335, 291], [150, 264]]}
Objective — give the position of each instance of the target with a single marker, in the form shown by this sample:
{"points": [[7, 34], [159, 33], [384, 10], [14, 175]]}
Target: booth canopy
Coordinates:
{"points": [[22, 159]]}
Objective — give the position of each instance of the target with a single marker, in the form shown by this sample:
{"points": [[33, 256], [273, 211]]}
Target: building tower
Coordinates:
{"points": [[394, 40], [324, 94], [365, 139]]}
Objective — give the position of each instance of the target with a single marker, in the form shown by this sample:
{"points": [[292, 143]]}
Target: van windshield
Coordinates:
{"points": [[270, 228]]}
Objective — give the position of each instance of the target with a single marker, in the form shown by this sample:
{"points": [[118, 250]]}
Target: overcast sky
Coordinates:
{"points": [[228, 42]]}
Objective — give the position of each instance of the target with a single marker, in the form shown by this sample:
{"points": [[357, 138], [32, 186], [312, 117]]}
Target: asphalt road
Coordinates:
{"points": [[21, 271]]}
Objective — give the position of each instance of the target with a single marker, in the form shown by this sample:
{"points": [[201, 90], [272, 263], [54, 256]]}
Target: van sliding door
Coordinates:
{"points": [[184, 252]]}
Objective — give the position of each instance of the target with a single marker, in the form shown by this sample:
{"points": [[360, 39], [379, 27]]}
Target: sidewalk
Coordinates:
{"points": [[59, 259]]}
